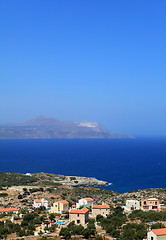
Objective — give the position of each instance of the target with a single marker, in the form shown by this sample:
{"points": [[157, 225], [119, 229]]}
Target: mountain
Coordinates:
{"points": [[45, 127]]}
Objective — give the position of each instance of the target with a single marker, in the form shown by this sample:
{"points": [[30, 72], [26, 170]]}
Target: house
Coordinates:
{"points": [[132, 205], [150, 204], [9, 210], [73, 206], [84, 202], [40, 203], [28, 174], [79, 216], [157, 234], [103, 210], [60, 207]]}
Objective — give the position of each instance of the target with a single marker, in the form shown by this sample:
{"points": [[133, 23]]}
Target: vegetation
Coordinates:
{"points": [[73, 229], [8, 179], [133, 231], [148, 216]]}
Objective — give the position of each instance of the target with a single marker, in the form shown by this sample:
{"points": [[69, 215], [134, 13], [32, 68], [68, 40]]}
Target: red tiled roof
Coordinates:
{"points": [[64, 202], [8, 209], [159, 231], [73, 206], [103, 206], [37, 200], [89, 199], [77, 211]]}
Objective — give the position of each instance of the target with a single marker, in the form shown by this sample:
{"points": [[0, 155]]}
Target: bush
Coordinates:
{"points": [[65, 232]]}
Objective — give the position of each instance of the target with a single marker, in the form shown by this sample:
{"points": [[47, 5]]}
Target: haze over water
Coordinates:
{"points": [[128, 164]]}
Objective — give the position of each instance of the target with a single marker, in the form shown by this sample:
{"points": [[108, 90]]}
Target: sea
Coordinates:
{"points": [[127, 164]]}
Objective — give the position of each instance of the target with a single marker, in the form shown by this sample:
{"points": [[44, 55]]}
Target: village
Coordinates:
{"points": [[66, 216]]}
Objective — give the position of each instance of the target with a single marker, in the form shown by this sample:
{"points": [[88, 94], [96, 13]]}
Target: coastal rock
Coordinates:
{"points": [[73, 181]]}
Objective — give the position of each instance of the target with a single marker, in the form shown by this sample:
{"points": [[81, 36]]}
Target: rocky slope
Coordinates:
{"points": [[73, 181]]}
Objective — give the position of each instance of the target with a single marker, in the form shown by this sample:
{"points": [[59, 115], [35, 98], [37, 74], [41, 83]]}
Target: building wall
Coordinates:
{"points": [[84, 203], [58, 207], [36, 204], [96, 211], [16, 212], [145, 204], [133, 205], [63, 207], [54, 208], [45, 204], [89, 204], [83, 218], [151, 234]]}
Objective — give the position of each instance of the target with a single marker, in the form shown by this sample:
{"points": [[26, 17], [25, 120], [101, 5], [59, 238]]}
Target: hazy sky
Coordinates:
{"points": [[90, 60]]}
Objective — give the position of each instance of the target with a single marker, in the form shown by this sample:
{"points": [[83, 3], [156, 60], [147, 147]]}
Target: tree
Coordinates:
{"points": [[157, 225], [52, 216], [86, 233], [77, 230], [65, 232]]}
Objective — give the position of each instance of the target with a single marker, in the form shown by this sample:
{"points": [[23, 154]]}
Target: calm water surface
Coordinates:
{"points": [[128, 164]]}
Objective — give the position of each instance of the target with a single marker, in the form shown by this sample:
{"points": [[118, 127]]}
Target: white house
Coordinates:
{"points": [[40, 203], [9, 210], [132, 205], [84, 202], [157, 234]]}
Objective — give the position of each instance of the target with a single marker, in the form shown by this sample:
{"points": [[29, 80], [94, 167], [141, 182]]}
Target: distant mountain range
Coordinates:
{"points": [[45, 127]]}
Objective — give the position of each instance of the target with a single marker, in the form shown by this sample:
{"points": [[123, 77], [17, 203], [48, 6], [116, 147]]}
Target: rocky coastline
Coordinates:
{"points": [[73, 181]]}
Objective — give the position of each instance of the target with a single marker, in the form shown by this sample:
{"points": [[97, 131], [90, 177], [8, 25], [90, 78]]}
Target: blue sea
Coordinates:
{"points": [[127, 164]]}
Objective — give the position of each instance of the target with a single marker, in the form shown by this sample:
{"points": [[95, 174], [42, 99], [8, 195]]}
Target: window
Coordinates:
{"points": [[145, 202], [77, 215], [155, 203], [152, 238], [78, 221]]}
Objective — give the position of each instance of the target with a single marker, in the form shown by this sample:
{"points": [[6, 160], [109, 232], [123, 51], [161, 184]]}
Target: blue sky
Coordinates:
{"points": [[80, 60]]}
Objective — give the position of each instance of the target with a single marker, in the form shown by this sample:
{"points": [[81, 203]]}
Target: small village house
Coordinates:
{"points": [[60, 207], [132, 205], [79, 216], [40, 203], [73, 206], [103, 210], [84, 202], [157, 234], [9, 210], [150, 204]]}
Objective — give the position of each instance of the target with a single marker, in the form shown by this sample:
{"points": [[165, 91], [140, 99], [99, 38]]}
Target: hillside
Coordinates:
{"points": [[45, 127], [8, 179]]}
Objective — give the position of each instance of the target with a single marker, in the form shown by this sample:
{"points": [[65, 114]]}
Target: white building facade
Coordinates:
{"points": [[132, 205], [157, 234], [40, 203], [84, 202]]}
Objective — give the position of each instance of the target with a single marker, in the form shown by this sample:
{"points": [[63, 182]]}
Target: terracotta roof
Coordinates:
{"points": [[160, 231], [37, 200], [77, 211], [88, 199], [64, 202], [73, 206], [8, 209], [103, 206]]}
